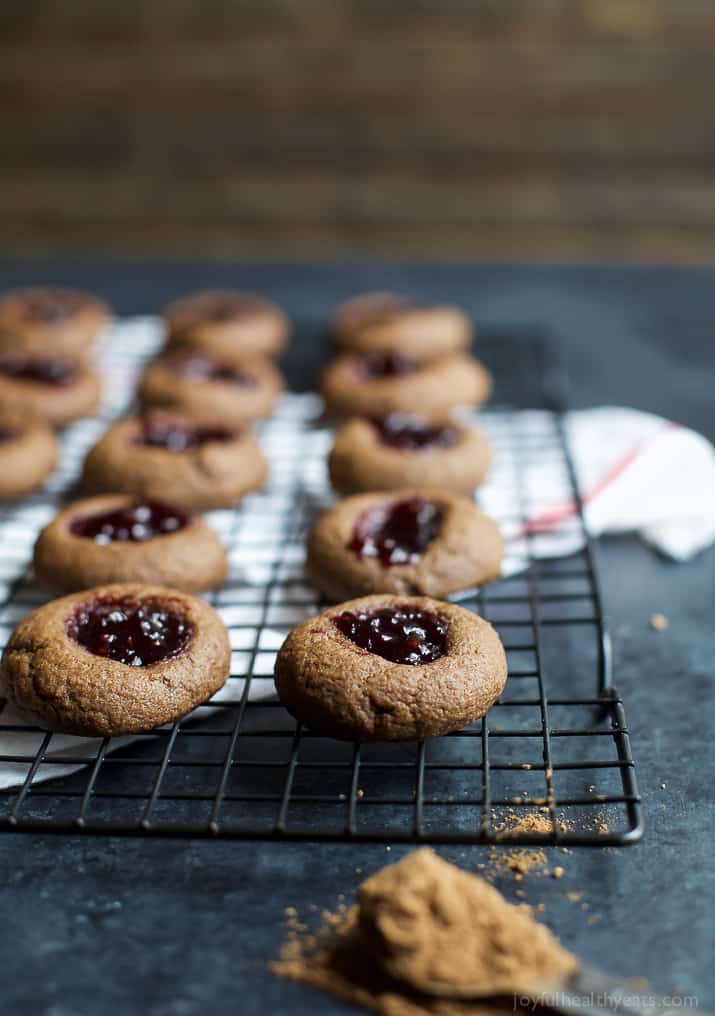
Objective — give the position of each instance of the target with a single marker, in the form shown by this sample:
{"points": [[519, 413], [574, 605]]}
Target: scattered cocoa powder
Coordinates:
{"points": [[515, 824], [423, 933]]}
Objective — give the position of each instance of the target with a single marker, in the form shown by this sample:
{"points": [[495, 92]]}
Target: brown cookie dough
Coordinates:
{"points": [[388, 323], [378, 385], [227, 323], [52, 671], [165, 456], [28, 454], [50, 320], [407, 451], [119, 538], [338, 688], [56, 389], [226, 391], [415, 542]]}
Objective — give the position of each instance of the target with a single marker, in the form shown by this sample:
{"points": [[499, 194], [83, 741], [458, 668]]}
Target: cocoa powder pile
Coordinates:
{"points": [[423, 934]]}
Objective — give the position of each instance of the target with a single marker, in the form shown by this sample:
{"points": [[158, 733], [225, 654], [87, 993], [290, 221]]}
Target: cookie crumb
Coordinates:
{"points": [[558, 872], [659, 622], [663, 786]]}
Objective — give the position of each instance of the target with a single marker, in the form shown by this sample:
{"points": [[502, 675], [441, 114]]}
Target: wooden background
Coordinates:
{"points": [[435, 128]]}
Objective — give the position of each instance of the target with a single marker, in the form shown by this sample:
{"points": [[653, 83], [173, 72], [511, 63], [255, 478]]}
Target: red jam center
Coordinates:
{"points": [[199, 368], [51, 305], [396, 533], [42, 371], [413, 434], [384, 365], [177, 436], [398, 634], [136, 633], [133, 523]]}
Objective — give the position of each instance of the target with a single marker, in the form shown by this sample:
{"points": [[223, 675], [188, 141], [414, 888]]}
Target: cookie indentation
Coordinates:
{"points": [[41, 371], [51, 305], [136, 633], [399, 634], [133, 523], [397, 533], [201, 368], [412, 433], [382, 365], [175, 436]]}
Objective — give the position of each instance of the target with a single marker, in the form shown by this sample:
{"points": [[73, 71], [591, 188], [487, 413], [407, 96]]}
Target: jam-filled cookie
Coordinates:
{"points": [[399, 450], [227, 323], [28, 454], [213, 391], [388, 323], [415, 542], [50, 320], [116, 659], [390, 668], [380, 384], [121, 538], [166, 456], [56, 389]]}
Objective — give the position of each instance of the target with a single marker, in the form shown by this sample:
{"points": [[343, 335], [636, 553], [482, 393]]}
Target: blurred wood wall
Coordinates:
{"points": [[434, 128]]}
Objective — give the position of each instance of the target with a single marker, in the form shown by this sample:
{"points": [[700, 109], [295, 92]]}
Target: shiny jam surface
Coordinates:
{"points": [[175, 435], [42, 371], [128, 631], [396, 533], [134, 523], [382, 365], [414, 434], [200, 368], [399, 634], [50, 305]]}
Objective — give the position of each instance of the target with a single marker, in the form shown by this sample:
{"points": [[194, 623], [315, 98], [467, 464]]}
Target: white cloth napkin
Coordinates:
{"points": [[637, 473], [640, 473]]}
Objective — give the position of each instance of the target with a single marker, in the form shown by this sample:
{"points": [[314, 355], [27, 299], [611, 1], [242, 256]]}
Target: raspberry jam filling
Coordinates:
{"points": [[133, 523], [385, 365], [413, 434], [51, 305], [397, 533], [399, 634], [42, 371], [176, 436], [128, 631], [200, 368]]}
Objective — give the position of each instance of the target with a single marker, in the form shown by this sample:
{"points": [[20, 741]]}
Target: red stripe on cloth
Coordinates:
{"points": [[549, 519]]}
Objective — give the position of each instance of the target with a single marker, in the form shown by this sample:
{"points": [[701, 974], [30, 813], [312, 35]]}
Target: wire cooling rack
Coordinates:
{"points": [[556, 745]]}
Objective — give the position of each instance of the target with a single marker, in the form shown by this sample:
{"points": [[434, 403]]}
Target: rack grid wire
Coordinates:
{"points": [[556, 742]]}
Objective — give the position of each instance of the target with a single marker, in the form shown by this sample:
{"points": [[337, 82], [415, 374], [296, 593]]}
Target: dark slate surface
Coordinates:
{"points": [[105, 926]]}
